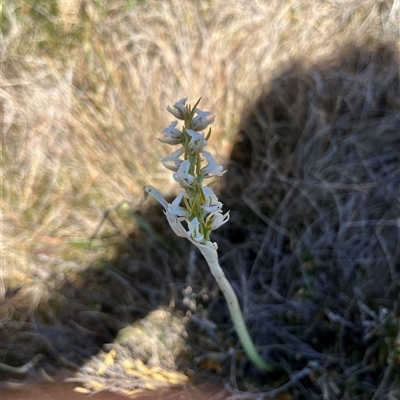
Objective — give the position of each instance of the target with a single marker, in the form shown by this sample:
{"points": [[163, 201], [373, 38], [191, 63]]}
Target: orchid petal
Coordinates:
{"points": [[194, 230], [173, 135], [180, 110], [201, 122], [211, 203], [183, 177], [175, 209], [197, 140], [173, 161], [211, 169], [156, 194], [216, 219], [170, 141], [177, 226]]}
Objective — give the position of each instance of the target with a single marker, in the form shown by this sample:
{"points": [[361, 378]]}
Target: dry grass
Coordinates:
{"points": [[316, 165], [82, 101]]}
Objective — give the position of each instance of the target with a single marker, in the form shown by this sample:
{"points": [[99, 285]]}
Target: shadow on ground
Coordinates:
{"points": [[312, 250]]}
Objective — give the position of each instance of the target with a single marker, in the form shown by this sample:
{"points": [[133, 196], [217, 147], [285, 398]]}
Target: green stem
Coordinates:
{"points": [[210, 254]]}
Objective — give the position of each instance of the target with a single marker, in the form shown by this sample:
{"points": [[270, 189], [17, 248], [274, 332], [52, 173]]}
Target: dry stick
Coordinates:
{"points": [[23, 369]]}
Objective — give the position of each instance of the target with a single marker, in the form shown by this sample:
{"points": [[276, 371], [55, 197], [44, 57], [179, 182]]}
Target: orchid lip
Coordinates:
{"points": [[179, 111]]}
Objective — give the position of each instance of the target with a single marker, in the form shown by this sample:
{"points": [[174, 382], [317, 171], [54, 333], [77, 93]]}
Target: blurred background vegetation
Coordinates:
{"points": [[84, 89]]}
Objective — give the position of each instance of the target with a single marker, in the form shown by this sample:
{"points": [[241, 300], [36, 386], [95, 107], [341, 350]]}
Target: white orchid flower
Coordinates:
{"points": [[172, 219], [215, 219], [211, 204], [183, 177], [194, 230], [200, 122], [173, 161], [197, 140], [175, 209], [177, 227], [211, 169], [180, 110], [173, 135]]}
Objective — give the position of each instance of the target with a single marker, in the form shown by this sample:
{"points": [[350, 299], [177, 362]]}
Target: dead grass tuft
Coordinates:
{"points": [[315, 222]]}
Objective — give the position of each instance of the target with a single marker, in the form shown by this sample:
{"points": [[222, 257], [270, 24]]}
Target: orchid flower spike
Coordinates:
{"points": [[196, 211]]}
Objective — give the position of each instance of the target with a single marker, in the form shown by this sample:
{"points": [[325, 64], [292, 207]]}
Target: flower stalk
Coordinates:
{"points": [[196, 211]]}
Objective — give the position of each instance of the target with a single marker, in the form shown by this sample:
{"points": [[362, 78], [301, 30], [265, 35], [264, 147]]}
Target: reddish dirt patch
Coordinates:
{"points": [[58, 391], [65, 391]]}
